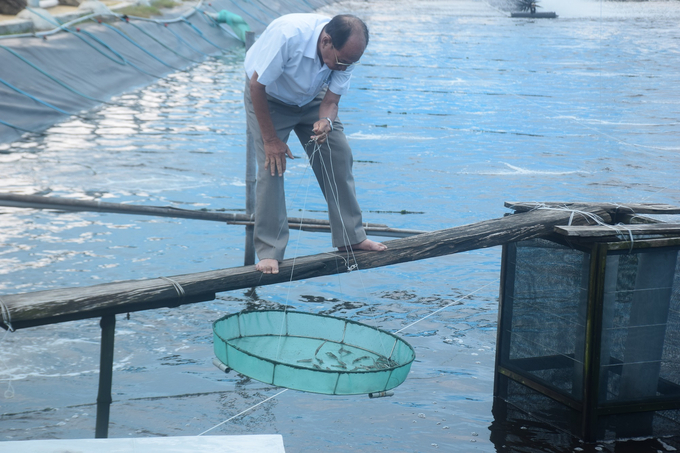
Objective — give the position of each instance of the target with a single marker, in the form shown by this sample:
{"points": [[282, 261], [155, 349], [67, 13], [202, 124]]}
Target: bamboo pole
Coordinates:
{"points": [[370, 230], [68, 204]]}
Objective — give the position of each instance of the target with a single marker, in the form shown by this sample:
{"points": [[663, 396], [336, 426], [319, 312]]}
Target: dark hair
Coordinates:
{"points": [[341, 27]]}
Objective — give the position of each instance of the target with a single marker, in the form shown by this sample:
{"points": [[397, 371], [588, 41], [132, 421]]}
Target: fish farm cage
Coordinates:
{"points": [[589, 332]]}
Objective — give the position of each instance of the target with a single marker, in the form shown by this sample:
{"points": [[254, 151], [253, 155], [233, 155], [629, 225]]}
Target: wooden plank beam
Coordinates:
{"points": [[631, 219], [58, 305], [612, 208], [598, 231]]}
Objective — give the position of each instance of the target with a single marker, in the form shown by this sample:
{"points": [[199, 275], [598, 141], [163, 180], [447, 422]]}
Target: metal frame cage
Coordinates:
{"points": [[589, 335]]}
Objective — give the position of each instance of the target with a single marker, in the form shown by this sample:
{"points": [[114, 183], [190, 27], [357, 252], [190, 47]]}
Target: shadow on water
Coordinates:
{"points": [[515, 431]]}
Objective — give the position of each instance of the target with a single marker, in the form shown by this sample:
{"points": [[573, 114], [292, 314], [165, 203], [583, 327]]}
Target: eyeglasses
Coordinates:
{"points": [[339, 63]]}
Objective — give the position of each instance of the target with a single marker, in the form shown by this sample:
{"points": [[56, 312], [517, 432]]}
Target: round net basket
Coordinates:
{"points": [[312, 353]]}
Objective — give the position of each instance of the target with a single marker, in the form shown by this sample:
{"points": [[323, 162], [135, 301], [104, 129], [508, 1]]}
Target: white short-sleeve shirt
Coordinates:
{"points": [[286, 60]]}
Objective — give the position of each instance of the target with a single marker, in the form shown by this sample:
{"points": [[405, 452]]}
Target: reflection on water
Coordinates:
{"points": [[455, 109]]}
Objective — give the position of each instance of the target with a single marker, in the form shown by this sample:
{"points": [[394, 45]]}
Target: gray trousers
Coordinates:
{"points": [[332, 167]]}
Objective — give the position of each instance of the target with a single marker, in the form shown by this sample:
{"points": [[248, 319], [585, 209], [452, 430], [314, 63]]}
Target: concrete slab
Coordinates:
{"points": [[15, 26], [264, 443]]}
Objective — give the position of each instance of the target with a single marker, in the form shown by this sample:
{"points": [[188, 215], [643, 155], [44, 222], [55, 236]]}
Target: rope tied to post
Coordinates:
{"points": [[6, 316], [178, 288], [620, 229]]}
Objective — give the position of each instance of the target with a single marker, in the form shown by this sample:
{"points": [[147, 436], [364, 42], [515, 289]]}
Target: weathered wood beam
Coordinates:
{"points": [[47, 307], [598, 231], [633, 219]]}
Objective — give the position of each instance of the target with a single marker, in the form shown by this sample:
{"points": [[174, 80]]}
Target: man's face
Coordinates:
{"points": [[341, 59], [340, 65]]}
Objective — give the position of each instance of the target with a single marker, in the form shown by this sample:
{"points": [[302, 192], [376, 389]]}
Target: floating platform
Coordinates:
{"points": [[547, 15]]}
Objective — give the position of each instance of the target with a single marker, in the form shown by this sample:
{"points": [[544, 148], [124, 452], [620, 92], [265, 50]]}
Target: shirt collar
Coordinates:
{"points": [[310, 50]]}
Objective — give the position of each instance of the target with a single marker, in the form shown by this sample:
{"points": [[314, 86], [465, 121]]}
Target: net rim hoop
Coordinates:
{"points": [[285, 312]]}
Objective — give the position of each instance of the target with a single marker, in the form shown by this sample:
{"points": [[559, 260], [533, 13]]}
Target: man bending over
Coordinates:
{"points": [[297, 71]]}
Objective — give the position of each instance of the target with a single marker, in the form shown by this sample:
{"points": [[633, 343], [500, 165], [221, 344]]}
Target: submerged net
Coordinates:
{"points": [[312, 353]]}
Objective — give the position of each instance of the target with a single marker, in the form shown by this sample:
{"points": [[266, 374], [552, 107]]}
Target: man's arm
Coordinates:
{"points": [[328, 109], [275, 150]]}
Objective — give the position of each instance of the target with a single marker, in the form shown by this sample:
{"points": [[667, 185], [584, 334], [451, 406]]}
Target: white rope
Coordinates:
{"points": [[663, 189], [177, 286], [282, 321], [316, 151], [6, 316], [243, 412], [334, 197], [9, 393], [292, 269], [7, 320], [444, 307], [333, 194], [620, 229]]}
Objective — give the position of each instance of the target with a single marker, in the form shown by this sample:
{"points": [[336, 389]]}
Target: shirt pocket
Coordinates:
{"points": [[321, 81]]}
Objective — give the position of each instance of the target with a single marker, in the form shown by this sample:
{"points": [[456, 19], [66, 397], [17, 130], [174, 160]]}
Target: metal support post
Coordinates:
{"points": [[108, 325]]}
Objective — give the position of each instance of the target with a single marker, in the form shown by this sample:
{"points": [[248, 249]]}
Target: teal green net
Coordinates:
{"points": [[312, 353]]}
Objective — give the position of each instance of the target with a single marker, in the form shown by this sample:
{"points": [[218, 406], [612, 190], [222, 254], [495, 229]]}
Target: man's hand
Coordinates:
{"points": [[321, 130], [275, 152]]}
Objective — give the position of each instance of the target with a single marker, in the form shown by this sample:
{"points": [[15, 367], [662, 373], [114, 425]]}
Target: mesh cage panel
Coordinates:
{"points": [[640, 352], [547, 299]]}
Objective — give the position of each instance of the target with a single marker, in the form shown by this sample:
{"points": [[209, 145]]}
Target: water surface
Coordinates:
{"points": [[455, 109]]}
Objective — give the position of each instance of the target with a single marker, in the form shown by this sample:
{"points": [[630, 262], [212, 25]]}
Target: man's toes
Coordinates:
{"points": [[372, 245], [268, 266]]}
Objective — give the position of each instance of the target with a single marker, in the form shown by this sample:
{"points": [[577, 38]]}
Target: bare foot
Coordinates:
{"points": [[268, 266], [366, 244]]}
